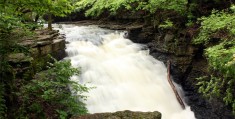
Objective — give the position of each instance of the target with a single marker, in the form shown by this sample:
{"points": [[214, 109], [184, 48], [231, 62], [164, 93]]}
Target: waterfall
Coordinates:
{"points": [[124, 76]]}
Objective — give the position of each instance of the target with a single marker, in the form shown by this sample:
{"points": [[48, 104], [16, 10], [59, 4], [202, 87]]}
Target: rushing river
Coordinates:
{"points": [[124, 75]]}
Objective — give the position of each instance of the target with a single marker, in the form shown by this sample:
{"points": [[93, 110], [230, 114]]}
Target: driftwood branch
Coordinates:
{"points": [[173, 86]]}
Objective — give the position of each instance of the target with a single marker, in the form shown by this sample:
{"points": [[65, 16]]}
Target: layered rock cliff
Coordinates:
{"points": [[42, 44]]}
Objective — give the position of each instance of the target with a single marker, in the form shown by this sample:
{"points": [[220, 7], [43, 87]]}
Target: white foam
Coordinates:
{"points": [[125, 77]]}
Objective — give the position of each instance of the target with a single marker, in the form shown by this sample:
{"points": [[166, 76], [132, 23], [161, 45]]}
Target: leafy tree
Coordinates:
{"points": [[96, 7], [36, 8], [17, 17], [54, 7]]}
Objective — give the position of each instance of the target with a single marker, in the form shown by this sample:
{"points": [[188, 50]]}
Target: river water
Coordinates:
{"points": [[124, 75]]}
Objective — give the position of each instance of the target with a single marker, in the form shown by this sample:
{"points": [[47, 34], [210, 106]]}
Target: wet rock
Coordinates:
{"points": [[139, 34], [122, 115], [113, 27]]}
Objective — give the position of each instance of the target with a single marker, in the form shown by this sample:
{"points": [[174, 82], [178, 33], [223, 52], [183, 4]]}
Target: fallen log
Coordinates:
{"points": [[173, 86]]}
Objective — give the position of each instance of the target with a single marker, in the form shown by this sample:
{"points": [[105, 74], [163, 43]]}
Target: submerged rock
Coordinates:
{"points": [[122, 115]]}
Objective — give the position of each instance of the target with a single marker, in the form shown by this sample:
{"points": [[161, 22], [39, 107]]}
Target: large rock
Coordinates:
{"points": [[40, 46], [122, 115], [46, 42]]}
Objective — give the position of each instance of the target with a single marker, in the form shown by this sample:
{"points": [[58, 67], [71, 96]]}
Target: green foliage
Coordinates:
{"points": [[166, 24], [220, 55], [58, 7], [51, 92], [17, 19], [221, 59], [216, 25], [209, 86], [175, 5], [27, 12], [97, 7], [8, 37]]}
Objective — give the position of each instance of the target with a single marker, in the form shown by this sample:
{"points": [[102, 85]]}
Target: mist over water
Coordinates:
{"points": [[124, 75]]}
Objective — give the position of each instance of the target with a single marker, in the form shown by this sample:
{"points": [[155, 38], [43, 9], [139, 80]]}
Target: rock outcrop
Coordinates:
{"points": [[122, 115], [39, 46], [46, 42]]}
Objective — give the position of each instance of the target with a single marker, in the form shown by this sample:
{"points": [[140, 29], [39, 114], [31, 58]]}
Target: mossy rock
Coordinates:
{"points": [[19, 58], [122, 115]]}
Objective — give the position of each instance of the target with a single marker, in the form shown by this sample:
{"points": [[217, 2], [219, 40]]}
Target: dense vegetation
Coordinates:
{"points": [[22, 96], [217, 31], [214, 21], [50, 96], [96, 7]]}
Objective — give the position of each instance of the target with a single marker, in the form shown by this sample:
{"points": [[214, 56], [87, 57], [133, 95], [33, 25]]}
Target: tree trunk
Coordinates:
{"points": [[49, 22], [173, 86]]}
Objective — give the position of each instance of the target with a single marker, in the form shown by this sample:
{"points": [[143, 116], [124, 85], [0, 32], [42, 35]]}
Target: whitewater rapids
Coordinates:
{"points": [[124, 75]]}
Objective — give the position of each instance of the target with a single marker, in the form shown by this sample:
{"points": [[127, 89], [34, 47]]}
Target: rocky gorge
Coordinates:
{"points": [[175, 45], [188, 64], [129, 46], [187, 60]]}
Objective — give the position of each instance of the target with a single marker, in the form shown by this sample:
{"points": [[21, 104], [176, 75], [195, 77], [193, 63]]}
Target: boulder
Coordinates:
{"points": [[122, 115]]}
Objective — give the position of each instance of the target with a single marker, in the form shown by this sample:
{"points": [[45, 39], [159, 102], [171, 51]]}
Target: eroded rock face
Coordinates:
{"points": [[46, 42], [43, 43], [122, 115]]}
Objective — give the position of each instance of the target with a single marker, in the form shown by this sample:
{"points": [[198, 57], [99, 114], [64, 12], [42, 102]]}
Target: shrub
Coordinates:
{"points": [[53, 94], [220, 55]]}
